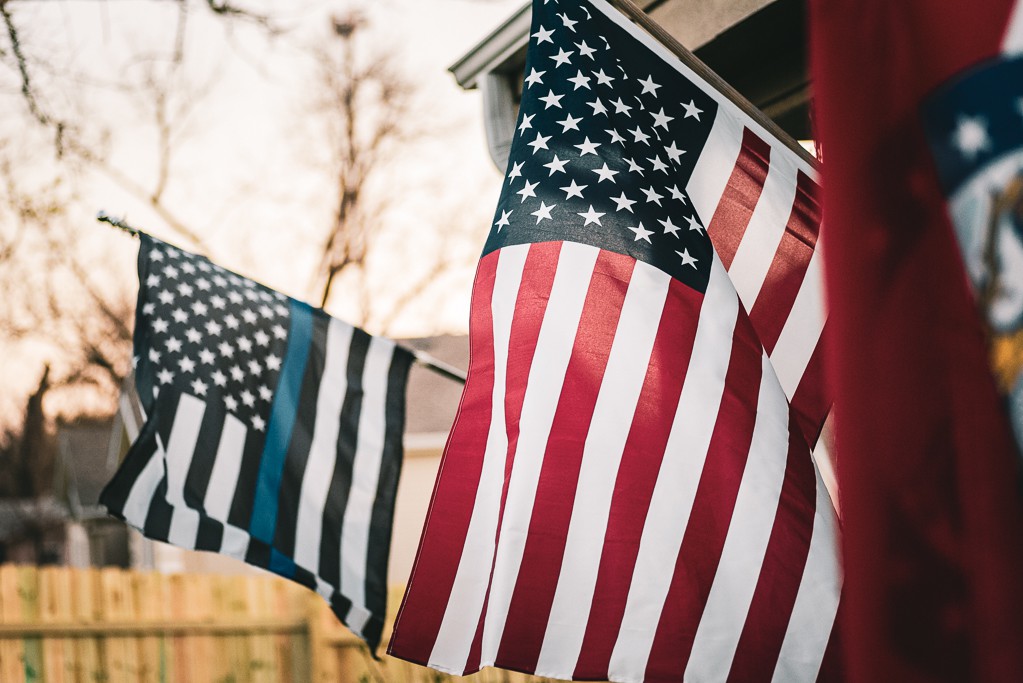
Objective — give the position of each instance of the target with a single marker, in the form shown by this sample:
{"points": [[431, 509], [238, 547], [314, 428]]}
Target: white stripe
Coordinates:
{"points": [[465, 603], [803, 327], [228, 463], [540, 402], [1013, 43], [129, 419], [357, 618], [672, 501], [609, 428], [180, 449], [813, 614], [756, 251], [323, 448], [369, 454], [715, 165], [749, 531], [136, 506]]}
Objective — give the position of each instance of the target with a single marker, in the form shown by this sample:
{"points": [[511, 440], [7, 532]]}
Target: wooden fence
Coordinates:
{"points": [[61, 625]]}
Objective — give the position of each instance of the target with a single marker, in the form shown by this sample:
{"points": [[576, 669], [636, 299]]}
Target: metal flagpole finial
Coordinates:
{"points": [[120, 223]]}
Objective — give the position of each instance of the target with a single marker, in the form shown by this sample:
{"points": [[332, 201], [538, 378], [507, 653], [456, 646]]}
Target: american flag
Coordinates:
{"points": [[272, 432], [626, 493]]}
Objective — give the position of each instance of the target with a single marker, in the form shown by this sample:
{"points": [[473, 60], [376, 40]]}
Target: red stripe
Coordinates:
{"points": [[559, 474], [832, 666], [704, 538], [637, 474], [530, 305], [782, 571], [788, 269], [811, 401], [732, 215], [454, 493]]}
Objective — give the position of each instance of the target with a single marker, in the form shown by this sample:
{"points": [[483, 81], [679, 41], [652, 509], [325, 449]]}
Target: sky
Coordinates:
{"points": [[248, 170]]}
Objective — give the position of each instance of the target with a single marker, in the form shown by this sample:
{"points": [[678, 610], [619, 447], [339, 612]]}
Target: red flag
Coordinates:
{"points": [[928, 467]]}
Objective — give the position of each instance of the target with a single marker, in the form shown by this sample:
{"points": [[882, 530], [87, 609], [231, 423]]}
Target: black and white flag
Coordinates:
{"points": [[272, 434]]}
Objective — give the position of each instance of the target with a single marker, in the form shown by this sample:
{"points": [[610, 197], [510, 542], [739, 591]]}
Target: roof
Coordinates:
{"points": [[432, 398]]}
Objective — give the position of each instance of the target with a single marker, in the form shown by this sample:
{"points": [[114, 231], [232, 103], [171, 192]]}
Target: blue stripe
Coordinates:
{"points": [[282, 420], [281, 565]]}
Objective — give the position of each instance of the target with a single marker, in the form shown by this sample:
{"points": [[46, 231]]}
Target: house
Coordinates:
{"points": [[757, 46]]}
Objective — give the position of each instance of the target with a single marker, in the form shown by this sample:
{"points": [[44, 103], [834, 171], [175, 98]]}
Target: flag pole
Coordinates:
{"points": [[633, 12], [424, 359]]}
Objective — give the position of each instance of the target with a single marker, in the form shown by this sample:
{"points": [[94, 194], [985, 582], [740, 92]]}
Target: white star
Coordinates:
{"points": [[551, 100], [187, 267], [171, 272], [585, 50], [186, 364], [226, 350], [154, 355], [254, 367], [231, 402], [573, 190], [503, 220], [235, 297], [199, 387], [527, 191], [569, 24], [219, 281], [598, 107], [633, 166], [674, 153], [543, 36], [641, 233], [214, 328], [265, 393], [580, 81], [173, 344], [694, 224], [185, 289], [258, 423], [669, 227], [516, 170], [248, 398], [692, 110], [533, 78], [179, 315], [556, 165], [160, 325], [591, 216], [237, 374], [539, 143], [165, 376], [262, 338], [527, 122], [203, 284], [244, 344], [569, 123], [272, 362], [199, 308], [971, 136], [605, 173], [658, 165], [623, 203], [218, 301], [661, 119], [152, 281], [249, 316], [652, 196], [562, 57], [543, 212], [649, 86], [587, 147], [279, 332], [193, 335], [615, 137], [156, 255], [219, 378], [621, 107], [687, 260], [603, 78], [639, 136], [231, 322], [266, 311], [677, 194], [165, 297]]}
